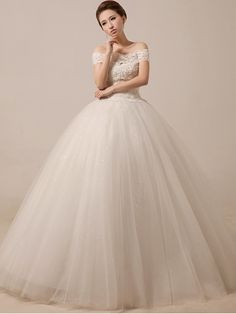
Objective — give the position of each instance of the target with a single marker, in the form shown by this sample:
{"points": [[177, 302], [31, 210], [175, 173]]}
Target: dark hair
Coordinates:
{"points": [[109, 5]]}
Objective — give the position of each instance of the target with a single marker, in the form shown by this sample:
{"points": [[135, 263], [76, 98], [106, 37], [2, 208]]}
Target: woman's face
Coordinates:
{"points": [[112, 23]]}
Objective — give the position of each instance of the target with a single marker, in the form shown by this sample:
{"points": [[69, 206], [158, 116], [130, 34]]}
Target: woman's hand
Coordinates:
{"points": [[104, 92], [109, 46]]}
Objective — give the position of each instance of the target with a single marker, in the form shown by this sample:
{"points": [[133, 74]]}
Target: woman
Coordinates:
{"points": [[120, 215]]}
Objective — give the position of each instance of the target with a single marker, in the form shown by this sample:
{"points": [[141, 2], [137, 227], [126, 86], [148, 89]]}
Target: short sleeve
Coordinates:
{"points": [[143, 54], [97, 57]]}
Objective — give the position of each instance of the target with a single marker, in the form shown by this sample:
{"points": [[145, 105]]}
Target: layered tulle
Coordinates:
{"points": [[119, 216]]}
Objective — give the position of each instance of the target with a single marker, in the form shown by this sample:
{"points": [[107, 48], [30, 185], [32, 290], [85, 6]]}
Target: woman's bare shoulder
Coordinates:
{"points": [[141, 45], [137, 45], [100, 48]]}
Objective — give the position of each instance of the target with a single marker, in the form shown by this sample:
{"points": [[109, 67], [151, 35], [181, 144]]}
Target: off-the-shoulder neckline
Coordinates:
{"points": [[125, 54]]}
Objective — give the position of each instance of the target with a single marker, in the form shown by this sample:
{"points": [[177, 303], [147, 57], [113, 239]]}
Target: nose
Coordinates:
{"points": [[110, 25]]}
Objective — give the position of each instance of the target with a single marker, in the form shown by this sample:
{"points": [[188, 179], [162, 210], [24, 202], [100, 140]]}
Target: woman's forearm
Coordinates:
{"points": [[102, 80], [123, 86]]}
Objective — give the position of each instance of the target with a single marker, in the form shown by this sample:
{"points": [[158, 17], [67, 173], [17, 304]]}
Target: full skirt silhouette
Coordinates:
{"points": [[119, 216]]}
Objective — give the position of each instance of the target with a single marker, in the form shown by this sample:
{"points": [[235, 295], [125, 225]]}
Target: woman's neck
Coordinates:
{"points": [[122, 41]]}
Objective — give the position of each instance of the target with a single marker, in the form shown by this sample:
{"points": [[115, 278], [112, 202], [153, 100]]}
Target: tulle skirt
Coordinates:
{"points": [[119, 216]]}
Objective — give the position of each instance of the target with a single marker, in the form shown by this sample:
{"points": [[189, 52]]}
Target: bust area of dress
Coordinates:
{"points": [[123, 66]]}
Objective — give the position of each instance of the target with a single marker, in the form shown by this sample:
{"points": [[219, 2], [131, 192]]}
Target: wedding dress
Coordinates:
{"points": [[119, 216]]}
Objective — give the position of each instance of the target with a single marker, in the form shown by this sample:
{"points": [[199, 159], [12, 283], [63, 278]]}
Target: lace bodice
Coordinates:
{"points": [[123, 66]]}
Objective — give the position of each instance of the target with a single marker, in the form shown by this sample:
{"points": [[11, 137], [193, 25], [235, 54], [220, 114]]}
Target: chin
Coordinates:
{"points": [[115, 35]]}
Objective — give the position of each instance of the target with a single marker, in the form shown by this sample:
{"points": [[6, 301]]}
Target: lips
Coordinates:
{"points": [[113, 31]]}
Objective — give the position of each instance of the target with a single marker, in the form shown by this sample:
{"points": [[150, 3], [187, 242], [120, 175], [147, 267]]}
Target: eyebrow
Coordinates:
{"points": [[109, 17]]}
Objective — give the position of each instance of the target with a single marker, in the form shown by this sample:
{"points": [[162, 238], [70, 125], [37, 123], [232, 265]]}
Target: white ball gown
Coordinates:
{"points": [[119, 215]]}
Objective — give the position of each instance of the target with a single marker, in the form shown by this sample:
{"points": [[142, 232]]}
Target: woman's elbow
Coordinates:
{"points": [[144, 81], [100, 85]]}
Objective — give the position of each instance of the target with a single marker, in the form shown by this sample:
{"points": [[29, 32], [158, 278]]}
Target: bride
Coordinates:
{"points": [[119, 215]]}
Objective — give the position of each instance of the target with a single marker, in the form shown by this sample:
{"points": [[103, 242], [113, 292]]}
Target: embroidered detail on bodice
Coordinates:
{"points": [[124, 66]]}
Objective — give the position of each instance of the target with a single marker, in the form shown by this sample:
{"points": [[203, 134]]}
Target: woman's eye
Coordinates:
{"points": [[111, 19]]}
